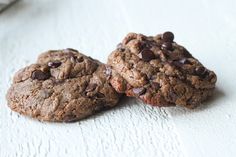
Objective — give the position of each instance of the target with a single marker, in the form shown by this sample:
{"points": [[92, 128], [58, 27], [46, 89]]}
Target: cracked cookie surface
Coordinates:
{"points": [[64, 85], [159, 71]]}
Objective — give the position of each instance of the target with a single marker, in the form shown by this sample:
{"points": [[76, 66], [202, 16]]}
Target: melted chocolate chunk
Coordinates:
{"points": [[40, 75], [147, 55]]}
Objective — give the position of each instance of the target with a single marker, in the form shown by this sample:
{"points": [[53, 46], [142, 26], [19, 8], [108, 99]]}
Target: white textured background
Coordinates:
{"points": [[207, 28]]}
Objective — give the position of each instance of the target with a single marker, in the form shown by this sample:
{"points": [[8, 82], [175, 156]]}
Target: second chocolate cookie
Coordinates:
{"points": [[64, 85], [159, 71]]}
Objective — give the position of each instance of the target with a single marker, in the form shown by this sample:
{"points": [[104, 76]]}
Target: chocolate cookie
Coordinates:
{"points": [[159, 71], [64, 85]]}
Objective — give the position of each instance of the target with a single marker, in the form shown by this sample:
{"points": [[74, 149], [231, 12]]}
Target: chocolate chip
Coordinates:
{"points": [[40, 75], [91, 87], [54, 64], [155, 85], [80, 59], [139, 91], [167, 46], [168, 37], [147, 55], [201, 71]]}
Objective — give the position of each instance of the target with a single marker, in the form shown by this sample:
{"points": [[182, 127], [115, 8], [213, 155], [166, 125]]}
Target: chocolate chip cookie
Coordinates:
{"points": [[159, 71], [64, 85]]}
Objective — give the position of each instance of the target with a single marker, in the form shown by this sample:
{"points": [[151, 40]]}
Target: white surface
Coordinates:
{"points": [[206, 28]]}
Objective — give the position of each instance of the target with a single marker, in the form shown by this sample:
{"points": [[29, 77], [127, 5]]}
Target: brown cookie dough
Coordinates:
{"points": [[159, 71], [64, 85]]}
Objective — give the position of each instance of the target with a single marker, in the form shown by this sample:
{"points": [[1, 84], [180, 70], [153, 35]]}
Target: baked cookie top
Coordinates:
{"points": [[64, 85], [159, 71]]}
